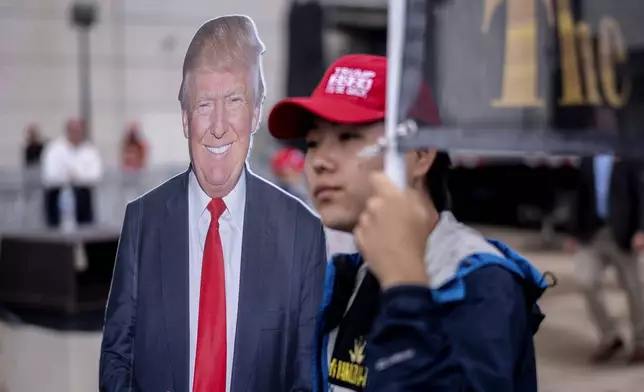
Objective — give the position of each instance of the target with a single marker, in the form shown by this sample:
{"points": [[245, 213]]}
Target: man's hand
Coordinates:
{"points": [[392, 234], [637, 242]]}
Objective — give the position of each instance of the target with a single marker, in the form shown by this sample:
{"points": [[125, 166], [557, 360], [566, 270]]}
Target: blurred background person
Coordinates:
{"points": [[608, 231], [71, 162], [134, 155], [133, 149], [33, 146], [288, 167]]}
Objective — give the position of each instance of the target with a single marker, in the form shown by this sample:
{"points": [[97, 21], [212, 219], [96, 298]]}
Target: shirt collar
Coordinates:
{"points": [[235, 200]]}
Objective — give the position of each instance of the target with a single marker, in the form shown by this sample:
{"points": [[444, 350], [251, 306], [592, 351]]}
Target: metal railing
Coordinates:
{"points": [[21, 192], [21, 195]]}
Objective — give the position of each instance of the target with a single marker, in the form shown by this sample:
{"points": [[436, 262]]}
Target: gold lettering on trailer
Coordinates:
{"points": [[584, 35], [520, 81], [520, 70], [612, 49], [572, 93]]}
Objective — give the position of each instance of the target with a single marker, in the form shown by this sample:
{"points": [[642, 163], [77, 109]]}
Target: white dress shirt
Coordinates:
{"points": [[231, 225], [63, 164]]}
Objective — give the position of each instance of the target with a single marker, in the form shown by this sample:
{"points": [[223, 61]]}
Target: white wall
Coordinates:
{"points": [[137, 52]]}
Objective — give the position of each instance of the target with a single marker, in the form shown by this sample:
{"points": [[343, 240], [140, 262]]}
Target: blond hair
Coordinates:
{"points": [[225, 43]]}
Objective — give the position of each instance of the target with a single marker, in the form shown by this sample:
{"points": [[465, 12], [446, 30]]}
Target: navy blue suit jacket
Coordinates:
{"points": [[145, 344]]}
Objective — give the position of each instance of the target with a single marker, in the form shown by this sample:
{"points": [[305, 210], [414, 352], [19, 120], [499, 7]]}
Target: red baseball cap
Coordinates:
{"points": [[352, 91], [287, 158]]}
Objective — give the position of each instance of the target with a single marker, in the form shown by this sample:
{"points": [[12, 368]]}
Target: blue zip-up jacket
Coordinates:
{"points": [[473, 333]]}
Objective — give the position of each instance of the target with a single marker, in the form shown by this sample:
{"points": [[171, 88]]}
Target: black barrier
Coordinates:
{"points": [[551, 76]]}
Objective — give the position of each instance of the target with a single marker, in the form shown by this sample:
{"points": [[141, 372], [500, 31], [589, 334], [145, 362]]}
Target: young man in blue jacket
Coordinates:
{"points": [[428, 304]]}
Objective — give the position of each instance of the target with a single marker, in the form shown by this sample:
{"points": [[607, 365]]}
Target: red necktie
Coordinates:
{"points": [[210, 361]]}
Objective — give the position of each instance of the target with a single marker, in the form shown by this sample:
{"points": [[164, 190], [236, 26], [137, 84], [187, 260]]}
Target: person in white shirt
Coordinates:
{"points": [[71, 161]]}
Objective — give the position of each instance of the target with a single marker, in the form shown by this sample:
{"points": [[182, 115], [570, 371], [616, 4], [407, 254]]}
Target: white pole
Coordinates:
{"points": [[394, 160]]}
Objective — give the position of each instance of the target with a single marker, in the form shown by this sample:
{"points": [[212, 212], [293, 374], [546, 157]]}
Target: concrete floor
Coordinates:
{"points": [[566, 338], [34, 359]]}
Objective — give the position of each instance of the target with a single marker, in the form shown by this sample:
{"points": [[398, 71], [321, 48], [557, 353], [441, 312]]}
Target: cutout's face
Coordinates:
{"points": [[219, 122], [338, 178]]}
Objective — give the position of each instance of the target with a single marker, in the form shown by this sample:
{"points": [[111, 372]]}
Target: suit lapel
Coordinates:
{"points": [[174, 251], [258, 250]]}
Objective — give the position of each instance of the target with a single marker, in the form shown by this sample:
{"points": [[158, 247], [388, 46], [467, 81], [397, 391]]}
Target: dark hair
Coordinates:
{"points": [[436, 181]]}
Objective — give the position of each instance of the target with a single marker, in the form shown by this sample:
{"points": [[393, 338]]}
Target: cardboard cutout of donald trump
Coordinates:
{"points": [[219, 274]]}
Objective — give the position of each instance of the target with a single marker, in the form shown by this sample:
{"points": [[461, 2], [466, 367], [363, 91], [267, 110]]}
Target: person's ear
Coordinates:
{"points": [[184, 121], [420, 163]]}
